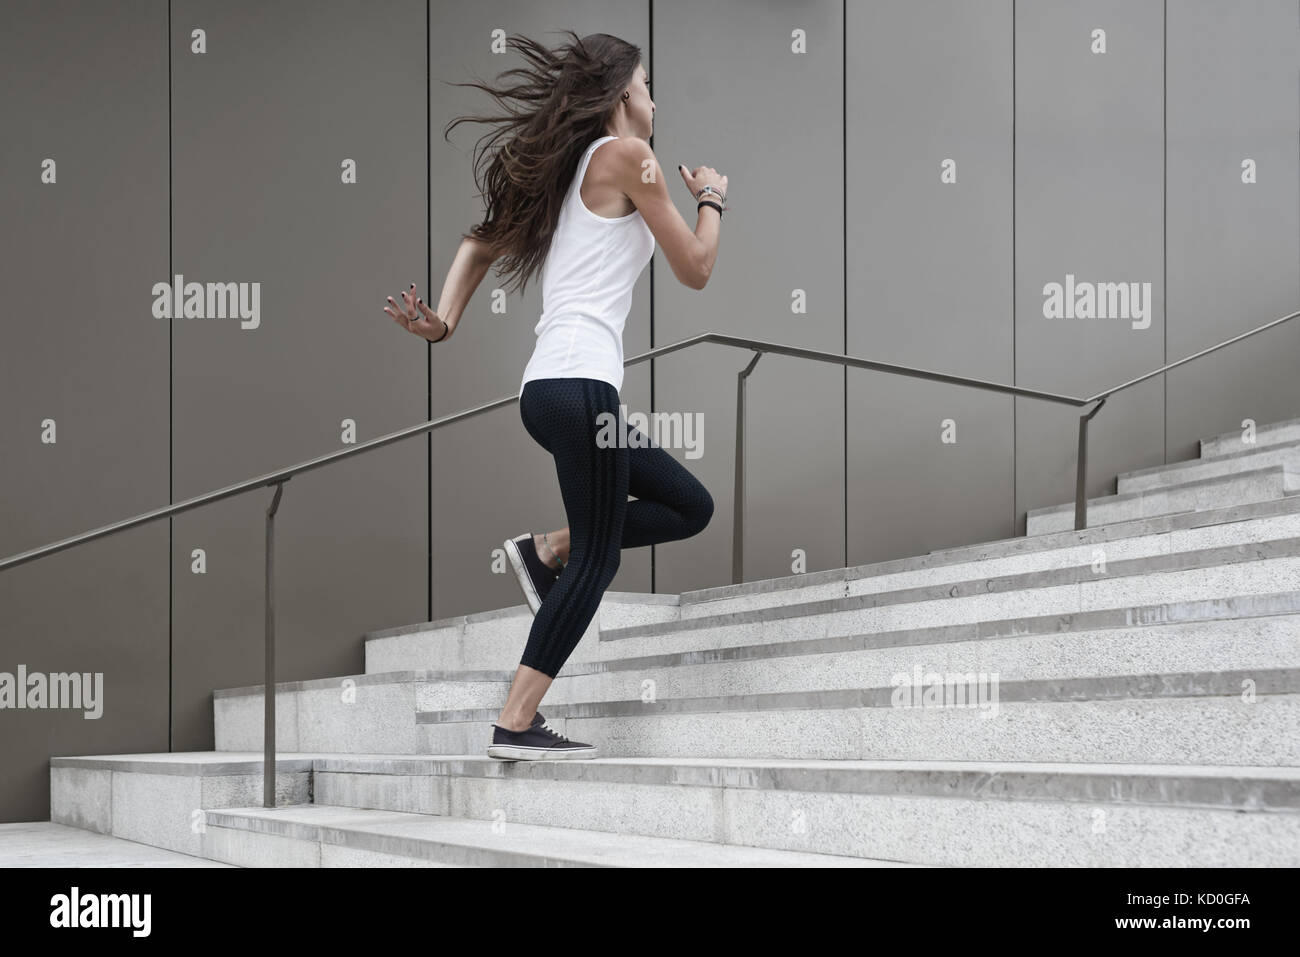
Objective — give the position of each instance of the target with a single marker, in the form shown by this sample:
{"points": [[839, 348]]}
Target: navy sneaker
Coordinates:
{"points": [[535, 577], [540, 742]]}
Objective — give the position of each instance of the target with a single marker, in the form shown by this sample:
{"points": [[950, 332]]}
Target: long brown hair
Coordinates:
{"points": [[562, 103]]}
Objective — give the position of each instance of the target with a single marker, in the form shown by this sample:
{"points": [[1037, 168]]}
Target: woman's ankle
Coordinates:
{"points": [[503, 722], [545, 551], [559, 541]]}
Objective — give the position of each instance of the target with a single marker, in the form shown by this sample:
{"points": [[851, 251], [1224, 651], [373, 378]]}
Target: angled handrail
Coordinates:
{"points": [[1204, 352], [279, 477]]}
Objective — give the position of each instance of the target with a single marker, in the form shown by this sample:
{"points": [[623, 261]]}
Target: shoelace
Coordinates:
{"points": [[546, 726]]}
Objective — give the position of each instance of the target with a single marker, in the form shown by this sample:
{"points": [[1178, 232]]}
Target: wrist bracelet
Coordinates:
{"points": [[709, 202], [445, 329], [722, 197]]}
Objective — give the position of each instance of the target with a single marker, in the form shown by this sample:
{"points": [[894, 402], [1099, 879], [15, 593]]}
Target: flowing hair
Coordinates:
{"points": [[562, 102]]}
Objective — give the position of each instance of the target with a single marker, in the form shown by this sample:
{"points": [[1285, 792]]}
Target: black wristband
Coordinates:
{"points": [[709, 202], [445, 329]]}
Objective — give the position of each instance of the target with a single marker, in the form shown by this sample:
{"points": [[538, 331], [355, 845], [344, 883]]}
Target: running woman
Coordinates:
{"points": [[576, 191]]}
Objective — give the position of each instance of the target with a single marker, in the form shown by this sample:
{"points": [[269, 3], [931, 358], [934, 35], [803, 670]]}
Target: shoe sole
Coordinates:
{"points": [[521, 573], [510, 752]]}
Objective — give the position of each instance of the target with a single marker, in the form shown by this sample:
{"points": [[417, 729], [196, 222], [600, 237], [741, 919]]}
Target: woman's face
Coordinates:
{"points": [[640, 108]]}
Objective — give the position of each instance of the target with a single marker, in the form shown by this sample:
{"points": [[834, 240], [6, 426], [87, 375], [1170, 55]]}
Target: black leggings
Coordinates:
{"points": [[561, 415]]}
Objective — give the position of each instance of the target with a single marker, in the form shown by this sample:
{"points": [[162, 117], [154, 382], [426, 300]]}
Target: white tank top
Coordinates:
{"points": [[587, 281]]}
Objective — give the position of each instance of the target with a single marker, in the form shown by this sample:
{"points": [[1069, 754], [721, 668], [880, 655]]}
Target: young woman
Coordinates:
{"points": [[577, 191]]}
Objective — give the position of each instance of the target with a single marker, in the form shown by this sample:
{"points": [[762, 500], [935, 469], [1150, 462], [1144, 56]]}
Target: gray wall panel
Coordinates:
{"points": [[1088, 181], [78, 345], [1233, 249], [261, 125], [929, 274], [731, 94], [491, 481]]}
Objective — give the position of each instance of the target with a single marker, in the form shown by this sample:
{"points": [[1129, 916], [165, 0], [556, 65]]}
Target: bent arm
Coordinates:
{"points": [[690, 253], [473, 260]]}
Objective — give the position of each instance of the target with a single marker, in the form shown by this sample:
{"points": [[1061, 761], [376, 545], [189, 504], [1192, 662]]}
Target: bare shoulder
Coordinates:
{"points": [[622, 177], [630, 157]]}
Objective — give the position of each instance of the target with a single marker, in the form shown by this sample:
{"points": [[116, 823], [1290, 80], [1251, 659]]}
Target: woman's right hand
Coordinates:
{"points": [[702, 176], [414, 316]]}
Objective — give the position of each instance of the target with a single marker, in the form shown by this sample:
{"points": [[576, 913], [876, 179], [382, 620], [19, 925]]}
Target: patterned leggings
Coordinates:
{"points": [[671, 504]]}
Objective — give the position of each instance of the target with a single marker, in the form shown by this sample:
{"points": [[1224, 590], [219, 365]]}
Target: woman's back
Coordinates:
{"points": [[587, 279]]}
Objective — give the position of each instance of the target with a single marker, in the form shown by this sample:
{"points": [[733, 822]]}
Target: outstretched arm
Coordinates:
{"points": [[473, 259]]}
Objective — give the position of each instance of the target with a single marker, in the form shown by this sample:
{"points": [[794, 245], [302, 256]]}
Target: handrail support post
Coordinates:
{"points": [[268, 724], [738, 518], [1081, 470]]}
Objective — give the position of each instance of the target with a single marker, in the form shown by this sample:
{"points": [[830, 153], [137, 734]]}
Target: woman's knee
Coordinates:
{"points": [[700, 511]]}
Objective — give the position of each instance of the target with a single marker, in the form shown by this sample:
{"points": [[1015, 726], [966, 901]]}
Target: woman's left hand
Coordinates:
{"points": [[414, 316]]}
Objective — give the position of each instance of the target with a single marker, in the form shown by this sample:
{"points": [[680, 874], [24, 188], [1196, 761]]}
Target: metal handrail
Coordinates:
{"points": [[278, 478], [1203, 352]]}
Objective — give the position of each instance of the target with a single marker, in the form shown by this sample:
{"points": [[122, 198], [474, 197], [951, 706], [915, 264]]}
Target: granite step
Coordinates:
{"points": [[1272, 433], [1230, 463], [321, 835], [1221, 572], [943, 813], [494, 641], [403, 810], [378, 713], [1253, 485], [1239, 717]]}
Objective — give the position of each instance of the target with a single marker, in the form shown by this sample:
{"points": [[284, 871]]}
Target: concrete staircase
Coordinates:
{"points": [[1135, 701]]}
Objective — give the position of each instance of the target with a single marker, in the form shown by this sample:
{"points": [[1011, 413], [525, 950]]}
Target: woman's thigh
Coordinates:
{"points": [[653, 473], [565, 410], [571, 418]]}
